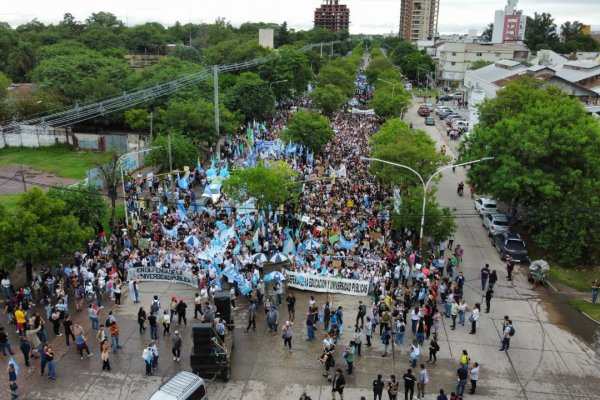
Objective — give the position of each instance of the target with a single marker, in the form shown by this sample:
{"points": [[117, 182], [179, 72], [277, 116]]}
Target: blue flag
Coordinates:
{"points": [[194, 202], [181, 210]]}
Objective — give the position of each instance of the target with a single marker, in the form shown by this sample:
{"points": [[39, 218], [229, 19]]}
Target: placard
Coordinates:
{"points": [[325, 284], [161, 274]]}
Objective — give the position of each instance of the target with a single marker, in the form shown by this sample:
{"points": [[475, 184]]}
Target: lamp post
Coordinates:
{"points": [[426, 184], [273, 83], [123, 178], [390, 83]]}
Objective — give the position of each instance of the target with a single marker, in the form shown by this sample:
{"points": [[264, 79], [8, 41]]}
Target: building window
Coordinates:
{"points": [[453, 63], [478, 54], [453, 53]]}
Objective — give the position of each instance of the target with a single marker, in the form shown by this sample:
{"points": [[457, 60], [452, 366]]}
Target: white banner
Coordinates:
{"points": [[326, 284], [160, 274]]}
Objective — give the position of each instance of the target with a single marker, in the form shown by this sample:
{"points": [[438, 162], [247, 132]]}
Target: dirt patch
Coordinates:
{"points": [[11, 180]]}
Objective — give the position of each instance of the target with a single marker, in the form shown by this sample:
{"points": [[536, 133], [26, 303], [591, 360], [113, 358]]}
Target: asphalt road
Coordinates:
{"points": [[546, 361]]}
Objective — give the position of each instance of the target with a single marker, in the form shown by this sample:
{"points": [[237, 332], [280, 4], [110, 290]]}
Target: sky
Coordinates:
{"points": [[366, 16]]}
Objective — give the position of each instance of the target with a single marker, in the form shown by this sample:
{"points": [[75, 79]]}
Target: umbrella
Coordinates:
{"points": [[276, 275], [312, 245], [539, 264], [192, 241], [259, 257], [278, 258]]}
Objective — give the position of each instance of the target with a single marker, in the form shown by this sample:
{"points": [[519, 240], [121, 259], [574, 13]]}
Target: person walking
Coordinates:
{"points": [[393, 387], [176, 346], [93, 314], [484, 274], [291, 305], [67, 325], [43, 359], [142, 318], [474, 377], [114, 337], [510, 265], [81, 345], [422, 381], [358, 340], [465, 359], [310, 327], [4, 343], [198, 300], [488, 299], [251, 316], [493, 279], [415, 353], [12, 373], [286, 335], [166, 323], [147, 357], [51, 363], [385, 340], [350, 350], [595, 289], [378, 385], [25, 347], [338, 384], [154, 349], [181, 309], [104, 355], [368, 331], [474, 317], [507, 333], [462, 311], [409, 384], [153, 323], [454, 310], [360, 315], [434, 347], [101, 336], [461, 374]]}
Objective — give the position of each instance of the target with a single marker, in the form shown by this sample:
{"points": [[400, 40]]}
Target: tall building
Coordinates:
{"points": [[333, 16], [418, 19], [509, 24]]}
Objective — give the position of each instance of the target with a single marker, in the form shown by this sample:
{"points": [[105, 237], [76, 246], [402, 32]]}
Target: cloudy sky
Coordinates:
{"points": [[367, 16]]}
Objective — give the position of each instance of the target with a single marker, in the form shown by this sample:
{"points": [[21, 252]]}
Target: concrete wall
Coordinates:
{"points": [[265, 38]]}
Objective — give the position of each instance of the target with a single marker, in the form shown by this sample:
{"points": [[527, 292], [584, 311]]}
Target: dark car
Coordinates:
{"points": [[445, 97], [429, 120], [423, 111], [510, 244]]}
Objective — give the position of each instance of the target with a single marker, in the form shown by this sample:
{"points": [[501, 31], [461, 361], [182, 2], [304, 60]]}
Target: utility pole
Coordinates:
{"points": [[21, 171], [321, 49], [151, 119], [170, 159], [216, 97]]}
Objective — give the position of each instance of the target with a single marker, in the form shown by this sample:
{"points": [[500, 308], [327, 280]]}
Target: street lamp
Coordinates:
{"points": [[390, 83], [123, 178], [273, 83], [426, 184]]}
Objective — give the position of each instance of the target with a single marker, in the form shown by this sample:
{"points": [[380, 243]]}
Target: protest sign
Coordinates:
{"points": [[325, 284], [161, 274]]}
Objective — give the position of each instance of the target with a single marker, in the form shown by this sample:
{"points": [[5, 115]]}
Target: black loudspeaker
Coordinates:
{"points": [[223, 304], [200, 359], [203, 332]]}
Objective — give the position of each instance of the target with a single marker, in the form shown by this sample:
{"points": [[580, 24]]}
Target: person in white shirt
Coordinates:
{"points": [[474, 376]]}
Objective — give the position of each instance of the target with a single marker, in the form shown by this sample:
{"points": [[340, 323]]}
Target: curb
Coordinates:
{"points": [[590, 318], [582, 312]]}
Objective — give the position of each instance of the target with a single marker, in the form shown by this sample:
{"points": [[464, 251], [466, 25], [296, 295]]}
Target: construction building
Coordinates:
{"points": [[332, 16], [418, 19]]}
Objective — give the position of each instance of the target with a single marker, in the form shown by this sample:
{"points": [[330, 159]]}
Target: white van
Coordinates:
{"points": [[182, 386]]}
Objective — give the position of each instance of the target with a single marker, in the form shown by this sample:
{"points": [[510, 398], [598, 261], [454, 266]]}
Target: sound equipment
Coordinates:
{"points": [[223, 304]]}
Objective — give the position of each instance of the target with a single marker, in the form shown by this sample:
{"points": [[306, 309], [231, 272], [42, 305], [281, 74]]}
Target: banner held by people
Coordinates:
{"points": [[161, 274], [326, 284]]}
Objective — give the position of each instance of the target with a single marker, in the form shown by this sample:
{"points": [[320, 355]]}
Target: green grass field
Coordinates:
{"points": [[577, 278], [60, 160], [591, 309], [9, 201]]}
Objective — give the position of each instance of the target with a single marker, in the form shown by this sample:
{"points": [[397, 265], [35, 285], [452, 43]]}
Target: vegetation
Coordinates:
{"points": [[545, 147], [310, 129], [60, 160], [183, 152], [85, 202], [480, 64], [328, 99], [414, 64], [584, 306], [577, 278], [541, 33]]}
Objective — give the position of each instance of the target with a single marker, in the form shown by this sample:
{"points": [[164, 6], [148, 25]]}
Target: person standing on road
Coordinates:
{"points": [[462, 311], [166, 322], [360, 316], [114, 336], [510, 265], [291, 305], [180, 309], [461, 374], [51, 363], [484, 274], [310, 328], [454, 310], [474, 377], [4, 343], [409, 384], [595, 289], [474, 317], [93, 314], [422, 380], [197, 305], [378, 387], [147, 356], [104, 355], [385, 341], [458, 254], [176, 347], [488, 299], [153, 322], [142, 319], [68, 324], [338, 384], [493, 279], [507, 333], [286, 335], [434, 347], [393, 387], [251, 316]]}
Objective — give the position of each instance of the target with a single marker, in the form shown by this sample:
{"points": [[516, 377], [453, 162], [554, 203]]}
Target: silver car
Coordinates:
{"points": [[495, 223]]}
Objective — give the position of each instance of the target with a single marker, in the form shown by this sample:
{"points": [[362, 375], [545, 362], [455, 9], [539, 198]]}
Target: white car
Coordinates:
{"points": [[460, 124], [495, 223], [484, 206], [213, 191]]}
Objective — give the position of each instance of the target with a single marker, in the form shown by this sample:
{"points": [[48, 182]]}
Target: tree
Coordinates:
{"points": [[4, 84], [540, 32], [417, 65], [282, 36], [545, 148], [376, 67], [310, 129], [486, 35], [83, 201], [479, 64], [251, 96], [147, 38], [390, 102], [290, 66], [138, 120], [106, 20], [183, 152], [41, 230], [439, 222], [396, 142], [268, 184], [338, 77], [328, 99], [98, 37], [111, 176]]}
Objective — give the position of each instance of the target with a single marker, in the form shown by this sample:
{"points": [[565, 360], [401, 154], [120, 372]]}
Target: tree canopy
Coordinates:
{"points": [[545, 148], [251, 96], [328, 99], [183, 152], [310, 129]]}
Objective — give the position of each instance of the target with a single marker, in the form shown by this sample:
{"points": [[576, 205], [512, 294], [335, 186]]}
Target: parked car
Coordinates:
{"points": [[449, 118], [457, 95], [495, 223], [445, 97], [443, 114], [442, 109], [460, 124], [182, 386], [510, 244], [428, 105], [484, 205], [423, 111], [429, 120]]}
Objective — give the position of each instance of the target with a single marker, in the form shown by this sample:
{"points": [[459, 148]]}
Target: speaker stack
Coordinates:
{"points": [[202, 335], [223, 304]]}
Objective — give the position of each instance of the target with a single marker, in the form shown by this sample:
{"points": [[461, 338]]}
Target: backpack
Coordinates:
{"points": [[511, 332], [154, 306], [401, 326], [426, 380]]}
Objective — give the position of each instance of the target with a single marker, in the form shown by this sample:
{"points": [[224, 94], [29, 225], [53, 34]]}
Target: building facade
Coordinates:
{"points": [[332, 16], [509, 24], [418, 19]]}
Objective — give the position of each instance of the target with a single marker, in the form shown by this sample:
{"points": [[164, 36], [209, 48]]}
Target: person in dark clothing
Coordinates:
{"points": [[181, 307], [378, 387], [26, 350], [338, 384], [493, 279], [43, 359], [360, 316], [291, 306], [68, 324], [510, 265], [409, 384], [153, 322], [434, 347], [488, 299]]}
